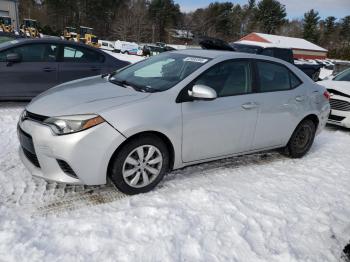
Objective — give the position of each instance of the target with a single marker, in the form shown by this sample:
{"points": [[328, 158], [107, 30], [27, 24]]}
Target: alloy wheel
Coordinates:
{"points": [[142, 166]]}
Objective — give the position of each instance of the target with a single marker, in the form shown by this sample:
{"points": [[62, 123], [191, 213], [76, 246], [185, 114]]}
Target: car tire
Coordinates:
{"points": [[301, 140], [133, 175]]}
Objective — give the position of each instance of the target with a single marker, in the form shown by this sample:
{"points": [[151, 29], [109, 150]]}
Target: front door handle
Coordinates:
{"points": [[250, 105], [49, 69], [300, 98]]}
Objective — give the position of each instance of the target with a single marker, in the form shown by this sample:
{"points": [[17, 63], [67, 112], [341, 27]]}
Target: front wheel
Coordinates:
{"points": [[302, 139], [140, 165]]}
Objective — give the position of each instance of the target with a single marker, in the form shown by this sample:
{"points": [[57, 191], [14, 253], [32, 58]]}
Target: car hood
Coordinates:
{"points": [[340, 86], [84, 96]]}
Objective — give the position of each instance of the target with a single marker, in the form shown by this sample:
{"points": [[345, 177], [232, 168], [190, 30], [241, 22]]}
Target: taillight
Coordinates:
{"points": [[327, 95]]}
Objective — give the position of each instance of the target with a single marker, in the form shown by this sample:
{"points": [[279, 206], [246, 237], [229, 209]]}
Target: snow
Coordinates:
{"points": [[263, 207], [125, 57], [325, 73], [284, 42]]}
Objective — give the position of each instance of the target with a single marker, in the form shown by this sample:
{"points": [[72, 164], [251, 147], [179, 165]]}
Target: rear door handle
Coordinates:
{"points": [[49, 69], [250, 105], [300, 98]]}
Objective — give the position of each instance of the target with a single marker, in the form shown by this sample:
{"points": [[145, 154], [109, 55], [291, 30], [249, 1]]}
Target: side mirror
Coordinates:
{"points": [[13, 58], [202, 92]]}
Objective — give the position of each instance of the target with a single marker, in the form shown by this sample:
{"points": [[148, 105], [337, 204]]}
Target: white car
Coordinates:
{"points": [[339, 88]]}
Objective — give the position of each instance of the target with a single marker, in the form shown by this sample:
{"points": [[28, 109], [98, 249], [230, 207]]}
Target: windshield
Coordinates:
{"points": [[4, 39], [30, 23], [7, 43], [5, 20], [343, 76], [158, 73]]}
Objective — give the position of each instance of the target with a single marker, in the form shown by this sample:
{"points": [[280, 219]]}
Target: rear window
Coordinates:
{"points": [[275, 77], [81, 55]]}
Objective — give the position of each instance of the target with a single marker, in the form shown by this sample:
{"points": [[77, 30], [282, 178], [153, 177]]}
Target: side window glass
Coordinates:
{"points": [[273, 77], [228, 78], [294, 81], [33, 53], [81, 55]]}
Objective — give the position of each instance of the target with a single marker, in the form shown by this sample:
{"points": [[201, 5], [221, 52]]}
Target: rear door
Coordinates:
{"points": [[36, 72], [79, 62], [281, 100]]}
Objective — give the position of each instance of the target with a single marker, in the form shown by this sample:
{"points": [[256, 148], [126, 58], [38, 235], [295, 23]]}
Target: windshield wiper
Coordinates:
{"points": [[123, 83]]}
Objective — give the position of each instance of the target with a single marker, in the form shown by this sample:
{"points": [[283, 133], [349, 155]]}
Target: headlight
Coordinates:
{"points": [[71, 124]]}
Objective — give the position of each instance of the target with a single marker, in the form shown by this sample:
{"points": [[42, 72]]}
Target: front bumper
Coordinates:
{"points": [[340, 114], [339, 118], [87, 153]]}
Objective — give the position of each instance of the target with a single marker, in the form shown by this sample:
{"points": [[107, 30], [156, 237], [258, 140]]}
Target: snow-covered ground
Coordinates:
{"points": [[263, 207], [325, 73], [125, 57]]}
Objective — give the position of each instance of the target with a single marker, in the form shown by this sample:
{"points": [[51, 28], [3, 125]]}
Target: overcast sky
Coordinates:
{"points": [[295, 8]]}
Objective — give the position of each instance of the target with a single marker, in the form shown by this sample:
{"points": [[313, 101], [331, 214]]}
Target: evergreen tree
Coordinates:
{"points": [[311, 32], [163, 13], [271, 15], [345, 29]]}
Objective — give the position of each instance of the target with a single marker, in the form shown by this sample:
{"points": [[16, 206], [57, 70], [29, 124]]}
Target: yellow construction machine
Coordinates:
{"points": [[70, 33], [29, 28], [86, 36], [6, 24]]}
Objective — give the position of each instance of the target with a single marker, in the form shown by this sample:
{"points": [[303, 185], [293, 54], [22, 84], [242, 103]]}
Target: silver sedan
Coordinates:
{"points": [[172, 110]]}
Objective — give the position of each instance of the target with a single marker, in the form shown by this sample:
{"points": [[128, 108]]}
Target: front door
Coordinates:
{"points": [[36, 72], [225, 125]]}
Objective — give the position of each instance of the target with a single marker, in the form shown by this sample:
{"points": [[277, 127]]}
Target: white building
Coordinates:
{"points": [[10, 8]]}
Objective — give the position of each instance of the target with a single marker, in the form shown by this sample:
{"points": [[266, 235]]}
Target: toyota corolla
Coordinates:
{"points": [[172, 110]]}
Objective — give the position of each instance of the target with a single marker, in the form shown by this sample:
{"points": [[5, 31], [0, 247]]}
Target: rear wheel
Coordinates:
{"points": [[302, 139], [140, 165]]}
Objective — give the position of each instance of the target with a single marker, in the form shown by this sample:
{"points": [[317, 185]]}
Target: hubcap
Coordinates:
{"points": [[142, 166]]}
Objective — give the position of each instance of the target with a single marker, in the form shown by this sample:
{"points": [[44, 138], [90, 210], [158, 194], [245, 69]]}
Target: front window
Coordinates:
{"points": [[33, 53], [343, 76], [30, 23], [159, 73]]}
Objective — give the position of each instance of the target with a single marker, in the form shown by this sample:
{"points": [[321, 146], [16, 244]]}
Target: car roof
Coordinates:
{"points": [[46, 40]]}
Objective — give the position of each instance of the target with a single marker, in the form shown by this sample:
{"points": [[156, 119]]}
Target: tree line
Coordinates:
{"points": [[150, 21]]}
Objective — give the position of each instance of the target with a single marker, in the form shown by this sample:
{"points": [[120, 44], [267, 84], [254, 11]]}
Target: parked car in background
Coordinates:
{"points": [[166, 112], [312, 68], [339, 89], [286, 54], [106, 45], [151, 50], [126, 47], [31, 66]]}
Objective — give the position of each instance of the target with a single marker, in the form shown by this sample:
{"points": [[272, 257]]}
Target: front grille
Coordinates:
{"points": [[66, 168], [27, 145], [31, 157], [336, 118], [340, 105]]}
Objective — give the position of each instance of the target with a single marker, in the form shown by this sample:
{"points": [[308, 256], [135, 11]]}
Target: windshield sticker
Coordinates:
{"points": [[196, 60]]}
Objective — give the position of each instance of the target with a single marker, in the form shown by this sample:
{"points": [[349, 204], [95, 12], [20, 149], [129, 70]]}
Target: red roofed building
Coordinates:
{"points": [[302, 49]]}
